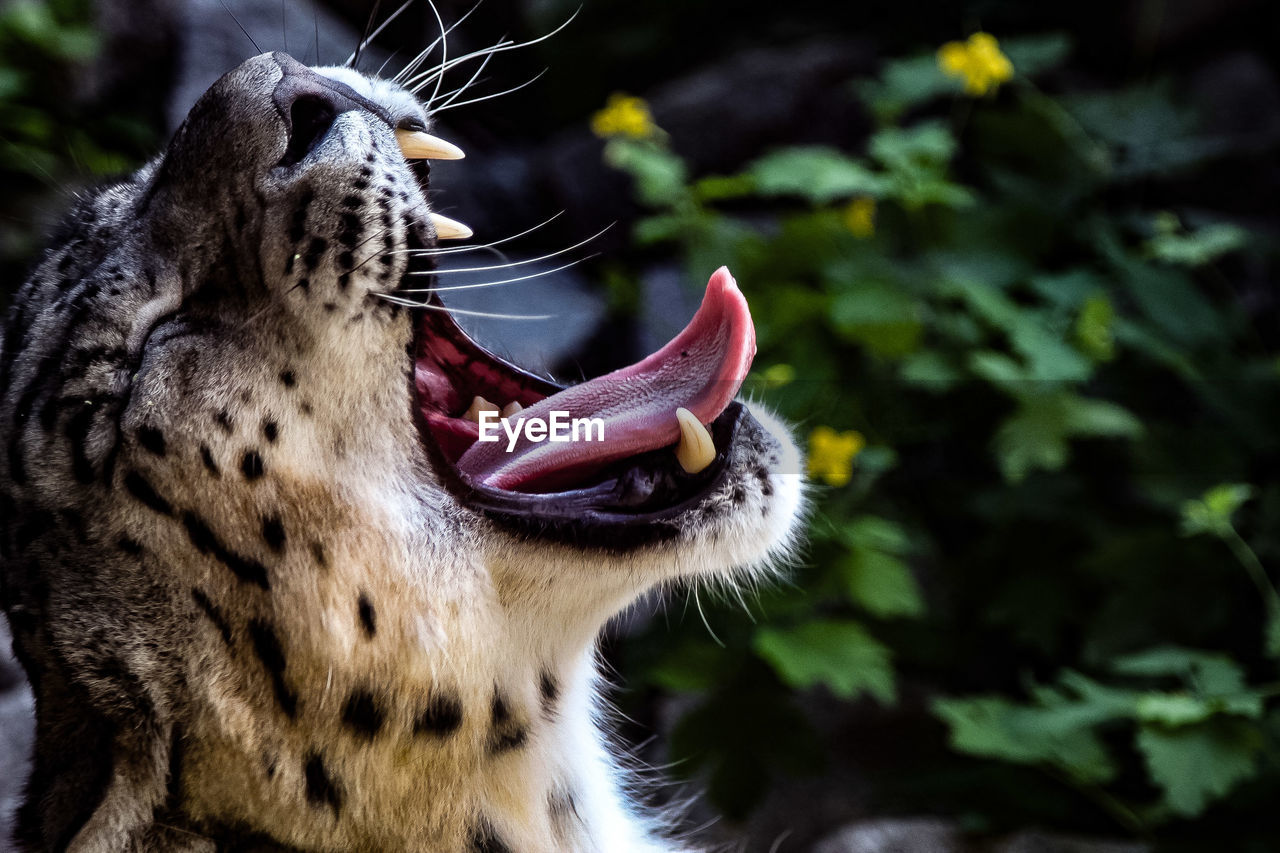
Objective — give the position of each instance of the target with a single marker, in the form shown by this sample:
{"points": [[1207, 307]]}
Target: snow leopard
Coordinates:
{"points": [[271, 589]]}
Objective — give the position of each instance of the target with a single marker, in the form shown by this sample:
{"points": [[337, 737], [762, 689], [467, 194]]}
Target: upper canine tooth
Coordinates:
{"points": [[696, 450], [417, 145], [449, 229], [478, 405], [511, 408]]}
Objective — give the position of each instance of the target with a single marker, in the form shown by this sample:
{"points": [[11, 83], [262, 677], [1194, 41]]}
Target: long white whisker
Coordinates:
{"points": [[449, 106], [409, 303], [444, 50], [366, 42], [413, 64], [538, 259], [454, 250], [501, 47], [386, 62], [494, 283], [422, 80], [453, 96]]}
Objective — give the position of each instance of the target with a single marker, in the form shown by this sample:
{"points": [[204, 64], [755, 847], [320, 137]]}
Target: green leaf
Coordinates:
{"points": [[881, 583], [1085, 416], [838, 654], [929, 369], [1196, 765], [883, 318], [1095, 328], [1173, 709], [1061, 736], [1032, 55], [928, 145], [871, 531], [1171, 300], [905, 83], [1036, 435], [1212, 513], [1198, 247], [659, 174], [1032, 438], [1209, 672], [821, 175]]}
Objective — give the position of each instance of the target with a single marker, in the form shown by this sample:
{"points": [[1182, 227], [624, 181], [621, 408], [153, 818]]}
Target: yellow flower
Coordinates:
{"points": [[831, 454], [623, 115], [860, 217], [979, 61]]}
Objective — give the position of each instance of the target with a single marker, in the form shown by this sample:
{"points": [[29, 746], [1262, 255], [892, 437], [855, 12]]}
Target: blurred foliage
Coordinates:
{"points": [[1061, 393], [49, 137]]}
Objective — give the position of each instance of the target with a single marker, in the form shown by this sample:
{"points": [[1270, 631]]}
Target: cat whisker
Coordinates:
{"points": [[538, 259], [409, 303], [449, 106], [421, 82], [498, 283], [365, 42], [453, 96]]}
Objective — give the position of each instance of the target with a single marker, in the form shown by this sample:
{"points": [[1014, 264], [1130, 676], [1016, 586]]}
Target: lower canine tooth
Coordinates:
{"points": [[478, 405], [696, 450], [449, 229], [511, 408]]}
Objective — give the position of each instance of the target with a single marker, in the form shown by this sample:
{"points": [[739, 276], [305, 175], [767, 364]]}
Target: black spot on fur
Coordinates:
{"points": [[206, 456], [270, 431], [267, 647], [352, 227], [362, 714], [442, 716], [215, 615], [142, 491], [152, 439], [550, 690], [368, 617], [250, 571], [130, 546], [273, 532], [317, 552], [223, 419], [251, 465], [507, 733], [321, 791], [288, 379], [314, 252], [484, 839]]}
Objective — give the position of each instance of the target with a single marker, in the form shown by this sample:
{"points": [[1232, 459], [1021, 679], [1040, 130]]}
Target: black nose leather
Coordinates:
{"points": [[309, 102]]}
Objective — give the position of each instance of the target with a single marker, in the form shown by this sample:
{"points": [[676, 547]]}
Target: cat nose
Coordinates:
{"points": [[309, 102]]}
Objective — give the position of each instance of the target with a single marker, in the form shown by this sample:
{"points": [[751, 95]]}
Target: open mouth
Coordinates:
{"points": [[635, 446], [623, 451]]}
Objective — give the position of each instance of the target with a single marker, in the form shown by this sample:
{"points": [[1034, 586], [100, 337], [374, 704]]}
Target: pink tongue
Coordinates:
{"points": [[700, 370]]}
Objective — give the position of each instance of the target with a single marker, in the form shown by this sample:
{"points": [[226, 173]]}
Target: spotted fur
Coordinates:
{"points": [[252, 615]]}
